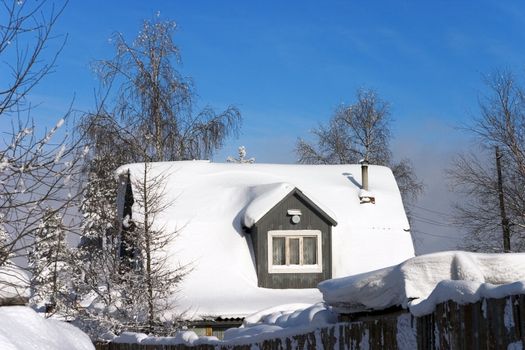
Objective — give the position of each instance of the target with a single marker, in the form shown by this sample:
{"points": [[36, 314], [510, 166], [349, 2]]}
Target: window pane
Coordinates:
{"points": [[310, 250], [294, 251], [278, 251]]}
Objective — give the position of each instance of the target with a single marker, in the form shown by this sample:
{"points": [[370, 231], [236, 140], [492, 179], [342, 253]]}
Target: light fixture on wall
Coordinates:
{"points": [[295, 214]]}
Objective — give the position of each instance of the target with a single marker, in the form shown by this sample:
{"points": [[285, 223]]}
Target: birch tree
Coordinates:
{"points": [[360, 131], [146, 115], [154, 102]]}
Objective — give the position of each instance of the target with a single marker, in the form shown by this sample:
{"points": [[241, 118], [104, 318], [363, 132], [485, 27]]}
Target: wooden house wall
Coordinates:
{"points": [[277, 219]]}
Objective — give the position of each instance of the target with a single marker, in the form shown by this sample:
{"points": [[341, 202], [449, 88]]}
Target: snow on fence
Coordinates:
{"points": [[486, 324]]}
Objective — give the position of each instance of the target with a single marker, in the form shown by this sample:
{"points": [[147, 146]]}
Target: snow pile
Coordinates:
{"points": [[283, 319], [211, 202], [415, 280], [21, 328], [367, 196], [188, 338], [276, 322], [14, 284], [372, 290]]}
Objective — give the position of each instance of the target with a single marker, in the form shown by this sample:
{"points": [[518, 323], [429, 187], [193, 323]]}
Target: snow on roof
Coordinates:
{"points": [[212, 202], [265, 197], [14, 283], [421, 282]]}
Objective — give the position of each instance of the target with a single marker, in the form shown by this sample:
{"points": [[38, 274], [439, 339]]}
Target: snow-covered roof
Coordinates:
{"points": [[14, 284], [213, 201], [267, 196], [421, 282]]}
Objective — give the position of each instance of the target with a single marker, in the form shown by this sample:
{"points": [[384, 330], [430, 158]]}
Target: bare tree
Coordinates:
{"points": [[145, 115], [492, 179], [129, 276], [25, 34], [154, 102], [37, 167], [360, 132], [155, 278], [4, 241]]}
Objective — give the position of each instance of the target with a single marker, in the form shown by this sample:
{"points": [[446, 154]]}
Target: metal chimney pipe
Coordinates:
{"points": [[364, 174]]}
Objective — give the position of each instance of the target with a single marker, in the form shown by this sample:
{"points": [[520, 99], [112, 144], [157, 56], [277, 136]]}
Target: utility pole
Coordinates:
{"points": [[504, 220]]}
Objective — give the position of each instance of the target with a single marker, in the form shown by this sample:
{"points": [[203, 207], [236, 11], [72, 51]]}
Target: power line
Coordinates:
{"points": [[431, 221], [434, 234], [429, 210]]}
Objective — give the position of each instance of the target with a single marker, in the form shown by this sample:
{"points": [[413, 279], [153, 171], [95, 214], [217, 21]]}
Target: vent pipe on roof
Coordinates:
{"points": [[364, 174]]}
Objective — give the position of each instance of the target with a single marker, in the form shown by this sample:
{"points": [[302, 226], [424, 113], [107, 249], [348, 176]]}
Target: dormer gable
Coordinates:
{"points": [[291, 235]]}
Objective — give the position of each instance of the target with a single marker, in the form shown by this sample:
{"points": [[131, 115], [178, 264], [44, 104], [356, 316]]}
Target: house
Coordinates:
{"points": [[260, 235]]}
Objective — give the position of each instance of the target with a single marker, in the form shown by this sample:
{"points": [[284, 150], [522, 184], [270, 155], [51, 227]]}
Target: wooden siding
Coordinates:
{"points": [[278, 219]]}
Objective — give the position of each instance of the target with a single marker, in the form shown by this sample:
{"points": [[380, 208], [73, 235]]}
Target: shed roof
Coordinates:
{"points": [[212, 202]]}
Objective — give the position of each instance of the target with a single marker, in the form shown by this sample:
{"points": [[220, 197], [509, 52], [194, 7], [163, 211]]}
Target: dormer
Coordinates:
{"points": [[292, 237]]}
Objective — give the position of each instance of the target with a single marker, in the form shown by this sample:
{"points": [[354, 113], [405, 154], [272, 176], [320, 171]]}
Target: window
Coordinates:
{"points": [[294, 251]]}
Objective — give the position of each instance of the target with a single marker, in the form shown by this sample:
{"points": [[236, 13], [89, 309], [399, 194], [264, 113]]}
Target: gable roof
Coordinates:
{"points": [[212, 202], [270, 195]]}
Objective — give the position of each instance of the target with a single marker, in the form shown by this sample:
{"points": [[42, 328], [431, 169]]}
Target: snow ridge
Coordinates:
{"points": [[424, 281]]}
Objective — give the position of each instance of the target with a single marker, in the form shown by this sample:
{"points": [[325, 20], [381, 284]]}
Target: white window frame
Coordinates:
{"points": [[317, 268]]}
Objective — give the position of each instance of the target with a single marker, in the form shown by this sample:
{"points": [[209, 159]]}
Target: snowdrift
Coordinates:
{"points": [[21, 328], [421, 282], [418, 284], [280, 321], [283, 319]]}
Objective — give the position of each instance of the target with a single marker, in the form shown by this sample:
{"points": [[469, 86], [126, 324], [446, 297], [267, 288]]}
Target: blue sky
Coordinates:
{"points": [[288, 64]]}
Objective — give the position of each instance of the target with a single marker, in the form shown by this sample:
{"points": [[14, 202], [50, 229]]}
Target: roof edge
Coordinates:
{"points": [[312, 203]]}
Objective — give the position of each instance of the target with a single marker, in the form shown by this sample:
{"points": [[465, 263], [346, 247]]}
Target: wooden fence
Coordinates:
{"points": [[487, 324]]}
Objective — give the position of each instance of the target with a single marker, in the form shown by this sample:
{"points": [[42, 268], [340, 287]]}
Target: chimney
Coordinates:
{"points": [[364, 174]]}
